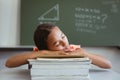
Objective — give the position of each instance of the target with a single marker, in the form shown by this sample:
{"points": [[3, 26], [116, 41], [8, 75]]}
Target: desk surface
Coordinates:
{"points": [[24, 74]]}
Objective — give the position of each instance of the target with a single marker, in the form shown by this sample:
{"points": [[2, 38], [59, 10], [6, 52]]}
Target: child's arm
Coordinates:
{"points": [[21, 59], [97, 60]]}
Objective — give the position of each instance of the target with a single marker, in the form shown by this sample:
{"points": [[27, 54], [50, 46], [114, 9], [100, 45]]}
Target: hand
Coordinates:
{"points": [[79, 52], [35, 49], [72, 48]]}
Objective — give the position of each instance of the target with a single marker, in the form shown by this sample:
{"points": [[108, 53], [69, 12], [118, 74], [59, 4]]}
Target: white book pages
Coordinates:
{"points": [[41, 62], [60, 72], [61, 78], [69, 66], [60, 63], [64, 59]]}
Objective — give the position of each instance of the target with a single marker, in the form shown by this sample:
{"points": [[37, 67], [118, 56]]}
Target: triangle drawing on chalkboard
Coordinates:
{"points": [[51, 14]]}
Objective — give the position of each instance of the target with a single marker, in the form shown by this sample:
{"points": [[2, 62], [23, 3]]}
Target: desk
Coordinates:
{"points": [[24, 74]]}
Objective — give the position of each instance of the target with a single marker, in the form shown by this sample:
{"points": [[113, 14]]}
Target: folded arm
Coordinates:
{"points": [[21, 59]]}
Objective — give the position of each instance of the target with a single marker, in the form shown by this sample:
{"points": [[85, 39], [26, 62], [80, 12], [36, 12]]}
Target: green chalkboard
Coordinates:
{"points": [[85, 22]]}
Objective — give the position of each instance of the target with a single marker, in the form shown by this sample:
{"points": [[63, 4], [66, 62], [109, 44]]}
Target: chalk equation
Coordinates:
{"points": [[89, 20]]}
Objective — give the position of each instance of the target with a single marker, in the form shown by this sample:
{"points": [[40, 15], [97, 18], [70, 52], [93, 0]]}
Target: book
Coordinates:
{"points": [[63, 59], [59, 68], [60, 56], [61, 72], [60, 78], [47, 61]]}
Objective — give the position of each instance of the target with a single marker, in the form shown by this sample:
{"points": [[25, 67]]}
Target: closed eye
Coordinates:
{"points": [[63, 37], [57, 44]]}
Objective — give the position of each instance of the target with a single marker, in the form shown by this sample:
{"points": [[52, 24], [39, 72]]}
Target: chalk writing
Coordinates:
{"points": [[50, 16], [89, 20]]}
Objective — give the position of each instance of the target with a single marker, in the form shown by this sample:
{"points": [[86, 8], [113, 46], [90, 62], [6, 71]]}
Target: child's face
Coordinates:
{"points": [[57, 40]]}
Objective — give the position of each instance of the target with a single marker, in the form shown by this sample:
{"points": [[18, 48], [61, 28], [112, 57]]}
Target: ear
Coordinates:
{"points": [[35, 49]]}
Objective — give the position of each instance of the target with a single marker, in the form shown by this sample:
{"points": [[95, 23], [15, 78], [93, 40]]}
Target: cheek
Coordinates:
{"points": [[57, 48]]}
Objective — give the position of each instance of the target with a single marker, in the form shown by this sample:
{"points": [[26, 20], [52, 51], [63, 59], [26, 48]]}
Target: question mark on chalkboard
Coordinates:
{"points": [[104, 17]]}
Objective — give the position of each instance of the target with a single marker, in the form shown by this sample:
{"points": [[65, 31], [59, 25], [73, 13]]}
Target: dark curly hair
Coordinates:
{"points": [[40, 35]]}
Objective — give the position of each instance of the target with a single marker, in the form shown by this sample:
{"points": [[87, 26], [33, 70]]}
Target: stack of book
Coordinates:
{"points": [[60, 68]]}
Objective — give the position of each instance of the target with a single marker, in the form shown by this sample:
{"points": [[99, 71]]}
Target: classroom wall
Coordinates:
{"points": [[9, 22], [86, 22]]}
